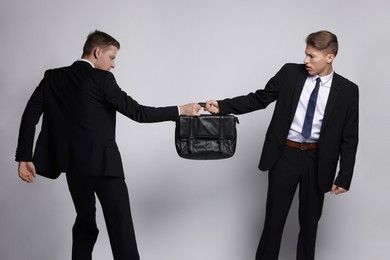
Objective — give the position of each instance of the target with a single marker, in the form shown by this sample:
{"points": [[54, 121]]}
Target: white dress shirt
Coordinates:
{"points": [[295, 133]]}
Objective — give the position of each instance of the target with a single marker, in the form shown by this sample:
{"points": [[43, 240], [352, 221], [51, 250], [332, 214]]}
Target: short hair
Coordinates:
{"points": [[323, 41], [98, 39]]}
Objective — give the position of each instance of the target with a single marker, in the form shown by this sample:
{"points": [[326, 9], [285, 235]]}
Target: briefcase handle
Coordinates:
{"points": [[203, 104]]}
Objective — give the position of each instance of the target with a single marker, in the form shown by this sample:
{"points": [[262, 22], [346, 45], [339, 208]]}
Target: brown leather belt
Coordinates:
{"points": [[302, 146]]}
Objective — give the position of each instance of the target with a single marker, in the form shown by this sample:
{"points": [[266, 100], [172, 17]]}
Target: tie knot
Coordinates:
{"points": [[318, 80]]}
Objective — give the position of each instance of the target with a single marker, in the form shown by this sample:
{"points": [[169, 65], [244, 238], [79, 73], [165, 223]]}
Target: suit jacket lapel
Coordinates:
{"points": [[334, 91], [297, 94]]}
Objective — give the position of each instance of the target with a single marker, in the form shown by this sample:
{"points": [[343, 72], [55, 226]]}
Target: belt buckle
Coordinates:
{"points": [[304, 147]]}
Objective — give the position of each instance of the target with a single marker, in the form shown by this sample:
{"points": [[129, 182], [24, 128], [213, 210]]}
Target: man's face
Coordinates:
{"points": [[318, 62], [105, 58]]}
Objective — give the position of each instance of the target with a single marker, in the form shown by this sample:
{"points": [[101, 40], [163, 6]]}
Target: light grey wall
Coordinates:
{"points": [[179, 51]]}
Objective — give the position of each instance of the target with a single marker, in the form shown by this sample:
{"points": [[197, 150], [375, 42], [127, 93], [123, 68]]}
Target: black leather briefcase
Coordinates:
{"points": [[206, 137]]}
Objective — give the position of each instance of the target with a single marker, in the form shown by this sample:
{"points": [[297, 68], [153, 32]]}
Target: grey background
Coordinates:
{"points": [[174, 52]]}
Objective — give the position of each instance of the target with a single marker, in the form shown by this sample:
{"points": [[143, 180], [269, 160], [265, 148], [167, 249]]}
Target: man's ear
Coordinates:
{"points": [[96, 52], [330, 57]]}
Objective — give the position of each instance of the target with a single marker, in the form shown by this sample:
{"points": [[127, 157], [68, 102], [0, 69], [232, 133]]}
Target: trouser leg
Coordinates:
{"points": [[84, 232], [311, 201], [283, 180], [114, 198]]}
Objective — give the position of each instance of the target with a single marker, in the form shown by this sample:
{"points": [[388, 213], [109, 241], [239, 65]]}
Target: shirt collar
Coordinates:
{"points": [[324, 79], [85, 60]]}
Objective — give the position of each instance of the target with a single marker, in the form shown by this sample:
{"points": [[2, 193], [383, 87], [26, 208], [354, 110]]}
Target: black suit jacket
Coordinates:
{"points": [[79, 105], [339, 132]]}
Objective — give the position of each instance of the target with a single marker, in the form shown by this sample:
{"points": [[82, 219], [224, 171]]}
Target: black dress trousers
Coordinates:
{"points": [[114, 198], [294, 168]]}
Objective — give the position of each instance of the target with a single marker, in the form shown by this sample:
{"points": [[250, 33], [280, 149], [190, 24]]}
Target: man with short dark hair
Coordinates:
{"points": [[314, 124], [79, 105]]}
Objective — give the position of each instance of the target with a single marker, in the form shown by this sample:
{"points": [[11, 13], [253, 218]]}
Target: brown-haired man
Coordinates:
{"points": [[303, 146], [79, 105]]}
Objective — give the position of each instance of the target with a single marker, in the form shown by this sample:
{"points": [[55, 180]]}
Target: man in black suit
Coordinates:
{"points": [[79, 105], [302, 145]]}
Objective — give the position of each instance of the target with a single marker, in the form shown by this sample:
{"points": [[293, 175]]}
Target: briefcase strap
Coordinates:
{"points": [[191, 137], [221, 135]]}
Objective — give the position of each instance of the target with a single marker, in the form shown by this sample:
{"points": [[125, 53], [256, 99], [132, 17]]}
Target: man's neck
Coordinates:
{"points": [[326, 71], [87, 60]]}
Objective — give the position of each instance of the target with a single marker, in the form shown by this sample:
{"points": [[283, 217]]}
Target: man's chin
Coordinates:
{"points": [[310, 72]]}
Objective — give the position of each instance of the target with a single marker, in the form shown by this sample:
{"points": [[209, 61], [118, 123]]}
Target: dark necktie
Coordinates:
{"points": [[308, 123]]}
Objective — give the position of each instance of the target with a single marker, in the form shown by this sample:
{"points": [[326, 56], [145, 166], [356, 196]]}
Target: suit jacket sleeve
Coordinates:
{"points": [[127, 106], [349, 143], [259, 99], [30, 119]]}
